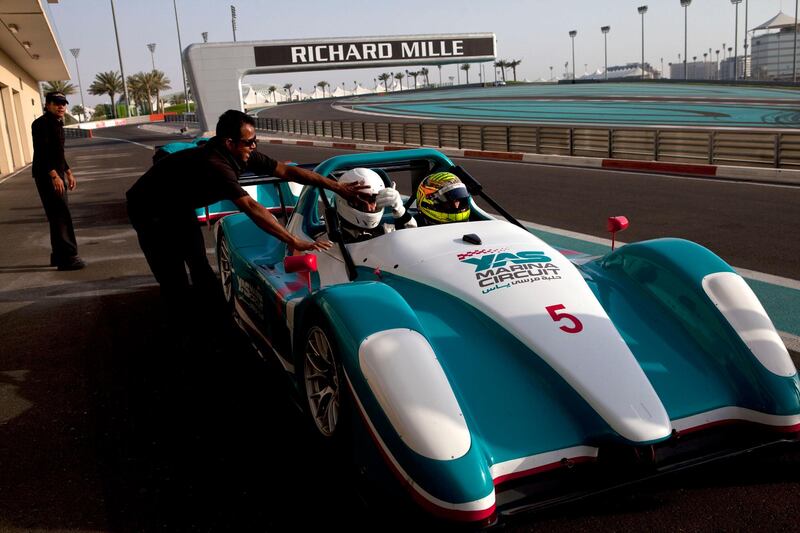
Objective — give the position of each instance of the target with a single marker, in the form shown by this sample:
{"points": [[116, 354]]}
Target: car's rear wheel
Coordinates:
{"points": [[323, 382]]}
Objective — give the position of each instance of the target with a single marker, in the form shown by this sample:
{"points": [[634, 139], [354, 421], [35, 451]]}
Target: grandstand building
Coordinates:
{"points": [[773, 50]]}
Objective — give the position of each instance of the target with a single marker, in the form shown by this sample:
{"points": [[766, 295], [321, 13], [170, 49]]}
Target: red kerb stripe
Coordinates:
{"points": [[509, 156], [657, 166]]}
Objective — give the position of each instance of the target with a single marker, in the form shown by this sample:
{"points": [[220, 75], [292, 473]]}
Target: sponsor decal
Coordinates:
{"points": [[251, 295], [497, 269]]}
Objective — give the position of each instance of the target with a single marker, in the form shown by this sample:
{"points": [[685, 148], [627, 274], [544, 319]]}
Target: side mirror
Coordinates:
{"points": [[614, 225], [305, 264]]}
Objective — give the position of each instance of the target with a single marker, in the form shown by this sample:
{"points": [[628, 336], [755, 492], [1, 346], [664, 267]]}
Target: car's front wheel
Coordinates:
{"points": [[323, 382], [225, 271]]}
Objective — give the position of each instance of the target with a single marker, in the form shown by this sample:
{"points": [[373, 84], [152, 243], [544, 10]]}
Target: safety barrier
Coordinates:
{"points": [[766, 148]]}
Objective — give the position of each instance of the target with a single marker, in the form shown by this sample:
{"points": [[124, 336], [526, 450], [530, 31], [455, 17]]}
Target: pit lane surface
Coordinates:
{"points": [[103, 428]]}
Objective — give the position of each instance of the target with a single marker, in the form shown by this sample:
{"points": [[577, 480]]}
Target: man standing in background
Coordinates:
{"points": [[53, 179]]}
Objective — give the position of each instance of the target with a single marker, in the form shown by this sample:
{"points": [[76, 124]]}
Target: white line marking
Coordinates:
{"points": [[14, 173], [125, 141]]}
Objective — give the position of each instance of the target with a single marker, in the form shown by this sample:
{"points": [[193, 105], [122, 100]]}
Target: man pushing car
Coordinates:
{"points": [[162, 203]]}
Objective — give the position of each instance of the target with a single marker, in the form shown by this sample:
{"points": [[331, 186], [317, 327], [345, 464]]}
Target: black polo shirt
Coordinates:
{"points": [[195, 178], [48, 145]]}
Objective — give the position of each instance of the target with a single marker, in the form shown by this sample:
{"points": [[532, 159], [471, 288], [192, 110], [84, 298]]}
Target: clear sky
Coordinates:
{"points": [[535, 31]]}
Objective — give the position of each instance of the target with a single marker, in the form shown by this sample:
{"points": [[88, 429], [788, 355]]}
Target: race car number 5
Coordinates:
{"points": [[577, 327]]}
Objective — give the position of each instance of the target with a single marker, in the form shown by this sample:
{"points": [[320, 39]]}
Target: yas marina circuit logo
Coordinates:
{"points": [[500, 269]]}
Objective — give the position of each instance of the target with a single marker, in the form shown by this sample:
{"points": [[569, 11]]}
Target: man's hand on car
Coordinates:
{"points": [[306, 246]]}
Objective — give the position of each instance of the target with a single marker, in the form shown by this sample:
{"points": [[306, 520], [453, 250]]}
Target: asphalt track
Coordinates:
{"points": [[104, 426], [631, 104]]}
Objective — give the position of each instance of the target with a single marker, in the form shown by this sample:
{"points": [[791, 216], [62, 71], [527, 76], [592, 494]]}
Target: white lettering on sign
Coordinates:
{"points": [[352, 53], [326, 53], [412, 50], [298, 54], [370, 50], [432, 49]]}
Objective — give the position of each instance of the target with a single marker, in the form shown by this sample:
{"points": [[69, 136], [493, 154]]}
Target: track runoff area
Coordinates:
{"points": [[632, 104]]}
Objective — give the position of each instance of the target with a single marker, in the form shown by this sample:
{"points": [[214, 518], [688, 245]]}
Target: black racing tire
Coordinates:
{"points": [[324, 392]]}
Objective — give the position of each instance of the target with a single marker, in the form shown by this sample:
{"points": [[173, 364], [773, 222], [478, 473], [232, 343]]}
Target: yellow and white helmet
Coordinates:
{"points": [[442, 198]]}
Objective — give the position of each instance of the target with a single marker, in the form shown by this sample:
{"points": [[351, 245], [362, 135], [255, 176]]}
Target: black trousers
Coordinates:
{"points": [[56, 207], [171, 242]]}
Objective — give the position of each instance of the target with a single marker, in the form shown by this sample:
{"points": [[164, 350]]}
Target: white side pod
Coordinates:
{"points": [[406, 378], [740, 306]]}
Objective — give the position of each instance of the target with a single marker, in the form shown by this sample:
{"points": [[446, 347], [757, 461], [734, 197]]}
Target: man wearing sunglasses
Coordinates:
{"points": [[54, 179], [162, 203]]}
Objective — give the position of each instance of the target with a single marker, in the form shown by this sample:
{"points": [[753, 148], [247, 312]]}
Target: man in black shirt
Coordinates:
{"points": [[53, 179], [162, 203]]}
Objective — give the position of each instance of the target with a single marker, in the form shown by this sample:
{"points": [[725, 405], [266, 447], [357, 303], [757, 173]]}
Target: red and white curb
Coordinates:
{"points": [[767, 175]]}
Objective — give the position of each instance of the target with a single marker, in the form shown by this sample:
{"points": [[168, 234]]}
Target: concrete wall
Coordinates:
{"points": [[20, 104]]}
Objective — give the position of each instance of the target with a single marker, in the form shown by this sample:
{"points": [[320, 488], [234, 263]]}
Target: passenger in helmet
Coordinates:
{"points": [[361, 219], [443, 198]]}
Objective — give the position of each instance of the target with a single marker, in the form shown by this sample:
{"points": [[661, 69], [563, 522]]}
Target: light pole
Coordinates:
{"points": [[736, 41], [642, 10], [605, 30], [685, 4], [119, 54], [205, 36], [572, 35], [746, 9], [183, 69], [794, 56], [75, 52], [152, 48], [551, 72], [717, 76], [233, 22]]}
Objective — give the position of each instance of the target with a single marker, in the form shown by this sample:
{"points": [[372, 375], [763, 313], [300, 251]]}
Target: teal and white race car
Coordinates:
{"points": [[491, 372]]}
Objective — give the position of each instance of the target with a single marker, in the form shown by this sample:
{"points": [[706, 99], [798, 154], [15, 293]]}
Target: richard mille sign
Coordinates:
{"points": [[429, 49]]}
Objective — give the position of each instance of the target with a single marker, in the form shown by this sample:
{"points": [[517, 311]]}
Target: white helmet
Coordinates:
{"points": [[355, 213]]}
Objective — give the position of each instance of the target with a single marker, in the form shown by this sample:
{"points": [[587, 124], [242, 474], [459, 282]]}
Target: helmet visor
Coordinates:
{"points": [[453, 198], [365, 204]]}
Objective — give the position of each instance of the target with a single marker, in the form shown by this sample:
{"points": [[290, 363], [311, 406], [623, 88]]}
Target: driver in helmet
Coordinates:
{"points": [[442, 198], [361, 219]]}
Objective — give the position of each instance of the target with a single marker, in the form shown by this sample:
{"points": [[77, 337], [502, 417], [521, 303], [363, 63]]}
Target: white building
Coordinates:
{"points": [[619, 72], [773, 52], [698, 70], [29, 53]]}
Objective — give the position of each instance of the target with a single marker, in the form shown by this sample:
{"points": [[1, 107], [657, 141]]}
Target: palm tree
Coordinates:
{"points": [[159, 82], [288, 88], [322, 85], [385, 79], [139, 91], [272, 90], [78, 111], [414, 75], [502, 65], [64, 87], [513, 64], [109, 83], [424, 72], [465, 67], [399, 77]]}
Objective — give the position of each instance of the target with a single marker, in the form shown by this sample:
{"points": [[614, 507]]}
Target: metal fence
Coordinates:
{"points": [[740, 147]]}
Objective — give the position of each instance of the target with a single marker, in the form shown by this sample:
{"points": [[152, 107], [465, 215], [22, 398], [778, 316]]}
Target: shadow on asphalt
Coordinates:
{"points": [[119, 427]]}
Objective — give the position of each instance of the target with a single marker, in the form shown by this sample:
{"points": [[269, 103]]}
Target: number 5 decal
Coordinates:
{"points": [[557, 317]]}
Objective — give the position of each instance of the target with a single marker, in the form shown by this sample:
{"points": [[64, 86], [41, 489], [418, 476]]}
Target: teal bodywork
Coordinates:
{"points": [[515, 405]]}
